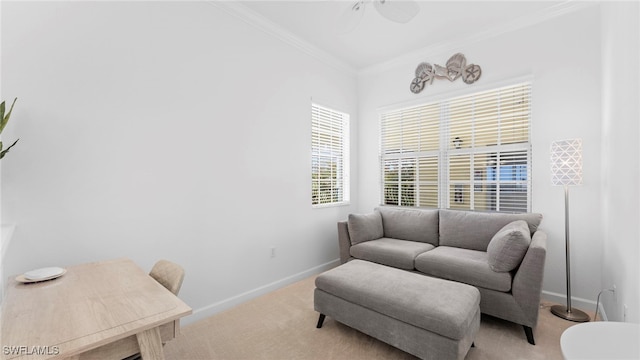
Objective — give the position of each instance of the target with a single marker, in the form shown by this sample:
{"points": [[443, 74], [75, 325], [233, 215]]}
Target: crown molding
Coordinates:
{"points": [[242, 12], [466, 40]]}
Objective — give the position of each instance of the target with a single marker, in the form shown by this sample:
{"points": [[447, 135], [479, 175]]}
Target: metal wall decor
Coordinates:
{"points": [[456, 67]]}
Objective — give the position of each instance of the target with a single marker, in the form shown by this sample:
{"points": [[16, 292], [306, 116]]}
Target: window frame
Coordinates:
{"points": [[343, 164], [519, 153]]}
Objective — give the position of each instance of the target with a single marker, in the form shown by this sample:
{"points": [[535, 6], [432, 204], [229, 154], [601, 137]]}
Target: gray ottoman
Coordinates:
{"points": [[424, 316]]}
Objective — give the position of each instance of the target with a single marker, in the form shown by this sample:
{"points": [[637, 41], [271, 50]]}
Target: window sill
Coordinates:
{"points": [[336, 204]]}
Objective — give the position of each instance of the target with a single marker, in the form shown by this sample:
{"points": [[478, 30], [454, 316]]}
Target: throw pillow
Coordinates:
{"points": [[365, 227], [508, 246], [410, 224]]}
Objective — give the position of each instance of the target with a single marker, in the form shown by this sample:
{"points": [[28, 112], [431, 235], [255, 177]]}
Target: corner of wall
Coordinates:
{"points": [[620, 51]]}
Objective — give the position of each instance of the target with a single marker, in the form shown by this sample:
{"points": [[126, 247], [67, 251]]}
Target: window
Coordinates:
{"points": [[329, 156], [471, 152]]}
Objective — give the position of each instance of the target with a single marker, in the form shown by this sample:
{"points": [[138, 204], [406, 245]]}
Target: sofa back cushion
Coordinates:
{"points": [[410, 224], [508, 246], [364, 227], [474, 230]]}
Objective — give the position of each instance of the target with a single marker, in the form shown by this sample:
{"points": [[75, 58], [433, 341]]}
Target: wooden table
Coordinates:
{"points": [[103, 310]]}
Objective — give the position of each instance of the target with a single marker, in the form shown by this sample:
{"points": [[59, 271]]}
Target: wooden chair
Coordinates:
{"points": [[169, 275]]}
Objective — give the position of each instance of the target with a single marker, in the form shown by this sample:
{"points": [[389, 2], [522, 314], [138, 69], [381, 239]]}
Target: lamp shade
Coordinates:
{"points": [[566, 162]]}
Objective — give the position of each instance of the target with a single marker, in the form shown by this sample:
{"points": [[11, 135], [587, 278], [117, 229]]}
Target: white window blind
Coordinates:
{"points": [[329, 156], [471, 152]]}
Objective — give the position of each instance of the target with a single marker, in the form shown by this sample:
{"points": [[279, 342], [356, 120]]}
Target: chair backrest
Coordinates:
{"points": [[168, 274]]}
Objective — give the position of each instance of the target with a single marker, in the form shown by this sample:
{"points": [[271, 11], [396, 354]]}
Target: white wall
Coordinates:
{"points": [[562, 56], [620, 119], [156, 130], [146, 129]]}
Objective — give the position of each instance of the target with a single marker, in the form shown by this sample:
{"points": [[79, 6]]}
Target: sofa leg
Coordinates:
{"points": [[320, 321], [529, 331], [473, 344]]}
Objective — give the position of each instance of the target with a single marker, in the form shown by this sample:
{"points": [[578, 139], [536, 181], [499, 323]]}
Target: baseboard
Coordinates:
{"points": [[209, 310], [579, 303]]}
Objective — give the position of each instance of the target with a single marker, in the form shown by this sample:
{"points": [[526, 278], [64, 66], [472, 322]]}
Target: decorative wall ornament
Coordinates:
{"points": [[456, 67]]}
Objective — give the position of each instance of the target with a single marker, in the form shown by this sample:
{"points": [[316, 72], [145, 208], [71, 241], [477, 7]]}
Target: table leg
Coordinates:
{"points": [[150, 344]]}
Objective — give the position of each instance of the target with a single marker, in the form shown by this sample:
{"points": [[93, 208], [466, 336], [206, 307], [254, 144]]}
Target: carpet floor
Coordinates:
{"points": [[282, 325]]}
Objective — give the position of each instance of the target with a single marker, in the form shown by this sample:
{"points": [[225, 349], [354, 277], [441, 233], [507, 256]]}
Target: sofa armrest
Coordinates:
{"points": [[344, 241], [527, 282]]}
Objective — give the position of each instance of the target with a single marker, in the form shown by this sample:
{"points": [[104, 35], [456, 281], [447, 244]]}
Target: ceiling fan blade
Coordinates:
{"points": [[397, 10], [350, 17]]}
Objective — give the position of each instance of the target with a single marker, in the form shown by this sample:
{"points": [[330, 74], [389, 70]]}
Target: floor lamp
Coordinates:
{"points": [[566, 170]]}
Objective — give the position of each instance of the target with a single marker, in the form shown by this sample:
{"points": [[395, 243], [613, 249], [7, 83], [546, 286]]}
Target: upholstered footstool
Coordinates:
{"points": [[424, 316]]}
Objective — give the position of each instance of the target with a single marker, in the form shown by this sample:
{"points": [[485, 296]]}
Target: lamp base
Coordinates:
{"points": [[569, 314]]}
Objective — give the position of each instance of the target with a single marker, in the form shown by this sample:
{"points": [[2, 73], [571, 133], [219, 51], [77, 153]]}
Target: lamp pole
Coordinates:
{"points": [[561, 311]]}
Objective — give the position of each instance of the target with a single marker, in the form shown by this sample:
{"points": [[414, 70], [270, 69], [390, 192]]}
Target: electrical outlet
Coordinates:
{"points": [[273, 252], [625, 309]]}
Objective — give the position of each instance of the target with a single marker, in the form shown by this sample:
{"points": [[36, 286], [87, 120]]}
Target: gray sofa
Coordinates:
{"points": [[502, 255]]}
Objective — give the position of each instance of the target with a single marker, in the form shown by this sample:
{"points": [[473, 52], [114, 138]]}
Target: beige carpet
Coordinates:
{"points": [[282, 325]]}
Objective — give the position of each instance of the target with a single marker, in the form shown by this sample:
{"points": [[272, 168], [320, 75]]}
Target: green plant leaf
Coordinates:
{"points": [[5, 119], [7, 149]]}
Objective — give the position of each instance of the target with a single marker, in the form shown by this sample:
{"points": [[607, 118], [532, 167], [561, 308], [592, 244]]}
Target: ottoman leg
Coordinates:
{"points": [[320, 321]]}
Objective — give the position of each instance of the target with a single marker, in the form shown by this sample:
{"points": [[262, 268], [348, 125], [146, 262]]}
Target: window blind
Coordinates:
{"points": [[329, 156], [471, 152]]}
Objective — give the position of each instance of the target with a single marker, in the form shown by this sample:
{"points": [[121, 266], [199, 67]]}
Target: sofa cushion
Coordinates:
{"points": [[474, 230], [463, 265], [410, 224], [364, 227], [391, 252], [507, 247]]}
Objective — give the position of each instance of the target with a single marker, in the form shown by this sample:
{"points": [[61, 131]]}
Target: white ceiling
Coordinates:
{"points": [[377, 40]]}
